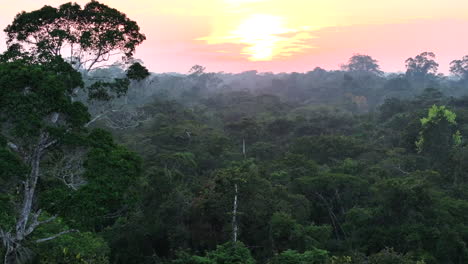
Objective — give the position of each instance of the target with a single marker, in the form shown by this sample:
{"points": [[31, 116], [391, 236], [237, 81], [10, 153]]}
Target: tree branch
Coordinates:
{"points": [[55, 236], [35, 223]]}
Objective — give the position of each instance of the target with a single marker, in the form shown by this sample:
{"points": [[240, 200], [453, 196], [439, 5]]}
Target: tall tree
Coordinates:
{"points": [[37, 115], [460, 67], [86, 37], [438, 134], [421, 65], [363, 64]]}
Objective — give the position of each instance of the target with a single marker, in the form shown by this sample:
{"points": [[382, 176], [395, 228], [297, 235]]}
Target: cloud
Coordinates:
{"points": [[264, 37]]}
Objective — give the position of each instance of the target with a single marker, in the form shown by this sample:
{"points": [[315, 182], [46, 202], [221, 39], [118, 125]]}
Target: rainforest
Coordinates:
{"points": [[103, 161]]}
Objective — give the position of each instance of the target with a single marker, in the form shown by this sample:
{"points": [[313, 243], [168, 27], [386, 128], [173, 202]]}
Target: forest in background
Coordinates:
{"points": [[118, 165]]}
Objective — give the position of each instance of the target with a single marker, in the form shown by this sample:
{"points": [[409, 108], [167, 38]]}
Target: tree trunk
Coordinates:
{"points": [[243, 147], [10, 257], [30, 189], [27, 220], [235, 227]]}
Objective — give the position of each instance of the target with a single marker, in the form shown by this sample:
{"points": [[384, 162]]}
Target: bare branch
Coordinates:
{"points": [[55, 236], [35, 223], [127, 119], [70, 169], [49, 144], [96, 118], [398, 168]]}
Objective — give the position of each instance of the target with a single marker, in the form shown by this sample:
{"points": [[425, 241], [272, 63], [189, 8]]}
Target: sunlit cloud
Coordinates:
{"points": [[265, 37]]}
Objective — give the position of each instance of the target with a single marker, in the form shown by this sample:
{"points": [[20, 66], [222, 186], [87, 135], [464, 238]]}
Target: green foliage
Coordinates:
{"points": [[137, 72], [324, 149], [327, 176], [74, 247], [228, 253], [185, 258], [349, 191], [231, 253], [288, 234], [105, 91], [315, 256], [435, 129], [389, 256], [436, 113], [30, 93], [111, 172], [95, 29]]}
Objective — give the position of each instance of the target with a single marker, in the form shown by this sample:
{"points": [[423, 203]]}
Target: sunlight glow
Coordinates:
{"points": [[265, 37], [279, 35], [261, 34]]}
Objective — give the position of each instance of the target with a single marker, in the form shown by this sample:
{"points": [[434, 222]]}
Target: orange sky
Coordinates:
{"points": [[285, 35]]}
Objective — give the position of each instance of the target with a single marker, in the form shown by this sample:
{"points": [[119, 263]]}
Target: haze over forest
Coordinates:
{"points": [[128, 142]]}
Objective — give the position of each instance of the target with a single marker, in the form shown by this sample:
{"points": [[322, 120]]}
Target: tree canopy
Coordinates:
{"points": [[362, 63], [85, 37]]}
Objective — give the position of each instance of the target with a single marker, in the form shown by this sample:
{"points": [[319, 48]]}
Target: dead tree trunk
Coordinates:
{"points": [[235, 226]]}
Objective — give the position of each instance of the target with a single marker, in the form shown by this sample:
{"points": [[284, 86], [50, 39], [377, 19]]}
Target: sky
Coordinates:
{"points": [[284, 35]]}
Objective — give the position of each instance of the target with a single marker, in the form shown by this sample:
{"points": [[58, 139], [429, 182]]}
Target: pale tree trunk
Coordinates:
{"points": [[28, 220], [10, 257], [235, 227], [243, 147], [29, 191]]}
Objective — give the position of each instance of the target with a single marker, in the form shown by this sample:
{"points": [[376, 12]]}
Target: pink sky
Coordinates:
{"points": [[181, 34]]}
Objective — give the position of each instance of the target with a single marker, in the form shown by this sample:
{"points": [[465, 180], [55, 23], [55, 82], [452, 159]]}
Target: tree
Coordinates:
{"points": [[362, 64], [313, 256], [231, 253], [460, 68], [102, 95], [398, 83], [286, 233], [199, 81], [228, 253], [421, 65], [108, 172], [389, 256], [137, 72], [86, 37], [37, 116], [72, 248], [438, 133]]}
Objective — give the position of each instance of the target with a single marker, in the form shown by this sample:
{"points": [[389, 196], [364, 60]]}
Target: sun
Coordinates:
{"points": [[261, 33], [262, 37]]}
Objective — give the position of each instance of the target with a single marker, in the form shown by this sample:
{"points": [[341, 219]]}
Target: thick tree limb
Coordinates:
{"points": [[96, 118]]}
